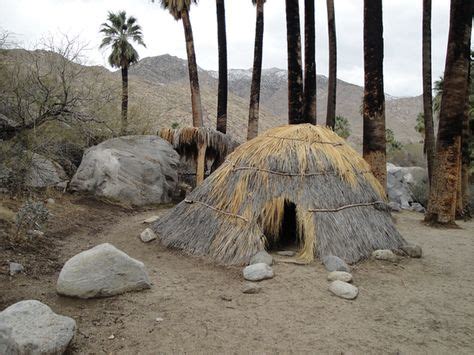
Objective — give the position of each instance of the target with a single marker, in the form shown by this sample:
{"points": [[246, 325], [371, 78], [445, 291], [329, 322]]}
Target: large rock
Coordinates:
{"points": [[334, 263], [339, 275], [134, 170], [401, 180], [31, 327], [343, 289], [101, 272], [257, 272], [385, 254]]}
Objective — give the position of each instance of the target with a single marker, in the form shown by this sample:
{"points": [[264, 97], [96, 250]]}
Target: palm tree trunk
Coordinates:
{"points": [[443, 192], [374, 142], [309, 63], [252, 130], [463, 210], [124, 121], [222, 86], [295, 75], [331, 108], [429, 141], [193, 71]]}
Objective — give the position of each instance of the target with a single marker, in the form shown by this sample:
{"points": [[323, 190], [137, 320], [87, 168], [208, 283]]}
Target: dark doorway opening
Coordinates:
{"points": [[288, 238]]}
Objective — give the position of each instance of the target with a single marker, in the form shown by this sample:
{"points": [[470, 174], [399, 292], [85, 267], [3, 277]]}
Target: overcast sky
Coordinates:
{"points": [[32, 19]]}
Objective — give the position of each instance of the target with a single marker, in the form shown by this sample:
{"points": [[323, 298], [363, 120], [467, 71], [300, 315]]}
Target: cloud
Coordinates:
{"points": [[32, 19]]}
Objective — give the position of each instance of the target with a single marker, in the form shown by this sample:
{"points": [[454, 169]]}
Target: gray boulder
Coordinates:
{"points": [[35, 329], [334, 263], [343, 289], [401, 180], [261, 257], [101, 272], [44, 172], [134, 170], [394, 206], [258, 272], [417, 207]]}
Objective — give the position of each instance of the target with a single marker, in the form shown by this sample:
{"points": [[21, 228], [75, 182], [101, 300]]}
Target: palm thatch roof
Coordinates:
{"points": [[340, 208], [200, 144]]}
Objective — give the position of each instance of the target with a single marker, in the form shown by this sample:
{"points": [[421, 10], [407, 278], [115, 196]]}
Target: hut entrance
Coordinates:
{"points": [[280, 225], [288, 238]]}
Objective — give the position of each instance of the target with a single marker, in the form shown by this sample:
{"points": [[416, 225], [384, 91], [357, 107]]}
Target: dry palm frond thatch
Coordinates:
{"points": [[299, 178], [199, 144]]}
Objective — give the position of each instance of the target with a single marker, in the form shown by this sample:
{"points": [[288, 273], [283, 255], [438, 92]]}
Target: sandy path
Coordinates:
{"points": [[418, 306]]}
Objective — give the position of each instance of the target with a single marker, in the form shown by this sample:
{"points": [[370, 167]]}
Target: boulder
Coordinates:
{"points": [[133, 170], [147, 235], [261, 257], [394, 206], [334, 263], [400, 181], [412, 250], [343, 289], [101, 272], [385, 254], [35, 329], [258, 272], [339, 275], [417, 207], [152, 219]]}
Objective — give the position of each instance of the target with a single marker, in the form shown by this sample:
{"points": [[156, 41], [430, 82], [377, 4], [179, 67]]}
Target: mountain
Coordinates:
{"points": [[401, 113]]}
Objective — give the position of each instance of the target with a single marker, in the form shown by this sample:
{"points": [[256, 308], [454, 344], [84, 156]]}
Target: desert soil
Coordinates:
{"points": [[417, 306]]}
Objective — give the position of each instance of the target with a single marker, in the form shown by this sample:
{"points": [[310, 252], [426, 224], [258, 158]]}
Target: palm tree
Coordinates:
{"points": [[374, 141], [252, 130], [331, 108], [118, 31], [222, 86], [447, 173], [429, 141], [309, 104], [438, 91], [179, 9], [295, 75]]}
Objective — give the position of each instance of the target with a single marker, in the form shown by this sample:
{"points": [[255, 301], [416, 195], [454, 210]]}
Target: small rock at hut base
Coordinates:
{"points": [[147, 235], [112, 337], [334, 263], [250, 288], [15, 268], [385, 254], [151, 219], [50, 201], [258, 272], [412, 250], [262, 257], [394, 206], [289, 253], [340, 275], [343, 289]]}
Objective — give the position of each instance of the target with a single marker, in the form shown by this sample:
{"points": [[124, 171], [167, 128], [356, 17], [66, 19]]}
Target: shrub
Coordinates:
{"points": [[32, 215]]}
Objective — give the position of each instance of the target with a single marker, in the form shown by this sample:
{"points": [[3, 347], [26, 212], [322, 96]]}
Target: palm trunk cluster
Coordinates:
{"points": [[124, 115], [374, 142], [445, 193], [331, 107], [309, 108]]}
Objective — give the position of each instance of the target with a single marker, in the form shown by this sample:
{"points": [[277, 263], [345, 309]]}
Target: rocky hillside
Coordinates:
{"points": [[165, 70]]}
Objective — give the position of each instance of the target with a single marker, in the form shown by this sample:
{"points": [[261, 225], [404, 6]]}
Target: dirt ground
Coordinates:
{"points": [[417, 306]]}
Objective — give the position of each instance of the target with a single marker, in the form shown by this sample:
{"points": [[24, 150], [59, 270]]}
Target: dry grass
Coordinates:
{"points": [[240, 208]]}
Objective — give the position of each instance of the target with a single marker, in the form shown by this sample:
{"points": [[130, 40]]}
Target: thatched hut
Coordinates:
{"points": [[199, 145], [294, 185]]}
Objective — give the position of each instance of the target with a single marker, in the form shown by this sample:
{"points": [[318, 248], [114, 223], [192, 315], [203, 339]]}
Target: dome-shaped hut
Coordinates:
{"points": [[298, 186]]}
